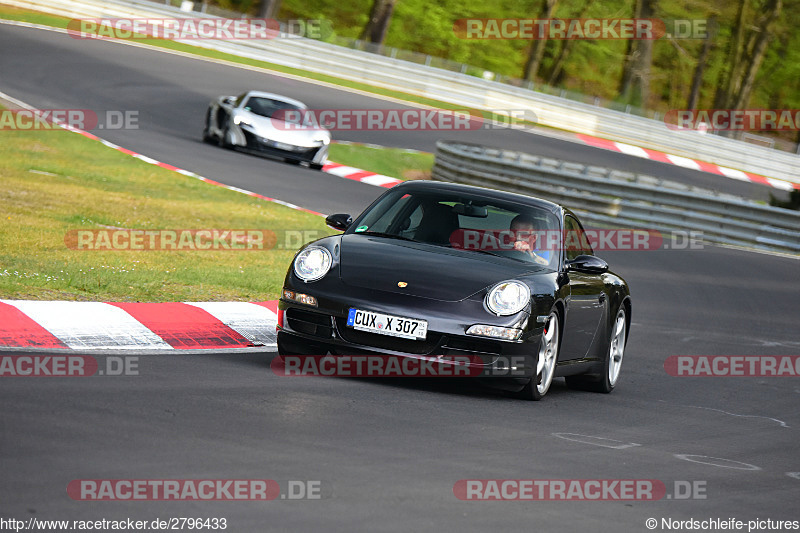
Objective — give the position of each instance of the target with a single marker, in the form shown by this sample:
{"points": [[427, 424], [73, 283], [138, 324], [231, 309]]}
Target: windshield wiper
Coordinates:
{"points": [[387, 235], [487, 252]]}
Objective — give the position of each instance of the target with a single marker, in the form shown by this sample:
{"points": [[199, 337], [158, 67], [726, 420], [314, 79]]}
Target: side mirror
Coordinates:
{"points": [[588, 264], [339, 221]]}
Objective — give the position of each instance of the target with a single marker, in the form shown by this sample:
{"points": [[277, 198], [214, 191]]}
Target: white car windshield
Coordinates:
{"points": [[269, 107]]}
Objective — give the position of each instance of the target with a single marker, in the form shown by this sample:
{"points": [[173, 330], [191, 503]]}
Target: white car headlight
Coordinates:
{"points": [[312, 263], [508, 298], [241, 120]]}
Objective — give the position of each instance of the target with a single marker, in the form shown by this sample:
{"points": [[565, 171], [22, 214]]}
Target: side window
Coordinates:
{"points": [[414, 220], [575, 241], [388, 218], [239, 99]]}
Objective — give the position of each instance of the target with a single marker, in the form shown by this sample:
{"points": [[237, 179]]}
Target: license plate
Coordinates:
{"points": [[394, 326]]}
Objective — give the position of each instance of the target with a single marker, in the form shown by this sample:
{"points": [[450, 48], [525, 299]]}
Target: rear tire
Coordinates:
{"points": [[612, 365]]}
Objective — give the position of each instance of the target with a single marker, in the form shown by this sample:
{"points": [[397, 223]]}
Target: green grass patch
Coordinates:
{"points": [[57, 181], [394, 162]]}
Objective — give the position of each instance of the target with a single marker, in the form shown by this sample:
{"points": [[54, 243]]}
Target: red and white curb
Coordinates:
{"points": [[137, 326], [685, 162], [364, 176]]}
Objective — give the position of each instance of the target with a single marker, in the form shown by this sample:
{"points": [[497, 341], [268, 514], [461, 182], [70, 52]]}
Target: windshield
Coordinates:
{"points": [[468, 222], [267, 107]]}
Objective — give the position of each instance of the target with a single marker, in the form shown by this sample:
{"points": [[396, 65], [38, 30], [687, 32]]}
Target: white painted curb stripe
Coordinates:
{"points": [[733, 173], [379, 180], [683, 162], [252, 321], [780, 184], [632, 150]]}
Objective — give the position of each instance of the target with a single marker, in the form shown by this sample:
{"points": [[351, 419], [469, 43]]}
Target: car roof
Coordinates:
{"points": [[273, 96], [443, 186]]}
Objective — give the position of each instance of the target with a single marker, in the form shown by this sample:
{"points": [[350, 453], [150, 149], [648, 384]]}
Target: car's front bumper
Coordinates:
{"points": [[273, 148], [321, 330]]}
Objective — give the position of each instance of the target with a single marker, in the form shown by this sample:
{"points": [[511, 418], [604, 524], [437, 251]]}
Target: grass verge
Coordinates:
{"points": [[57, 181], [394, 162]]}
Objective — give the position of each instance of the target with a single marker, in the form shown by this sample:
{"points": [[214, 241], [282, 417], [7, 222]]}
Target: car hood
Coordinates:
{"points": [[278, 130], [430, 271]]}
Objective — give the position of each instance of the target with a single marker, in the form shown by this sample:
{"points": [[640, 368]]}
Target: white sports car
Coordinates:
{"points": [[266, 124]]}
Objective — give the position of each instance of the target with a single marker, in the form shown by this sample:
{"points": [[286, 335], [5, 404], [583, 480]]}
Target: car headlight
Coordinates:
{"points": [[508, 298], [312, 263], [241, 121]]}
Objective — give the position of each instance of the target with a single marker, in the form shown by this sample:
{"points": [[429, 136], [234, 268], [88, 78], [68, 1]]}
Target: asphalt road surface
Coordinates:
{"points": [[387, 453]]}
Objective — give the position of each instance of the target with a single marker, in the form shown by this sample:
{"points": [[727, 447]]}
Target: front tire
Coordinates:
{"points": [[206, 135], [546, 363], [224, 138]]}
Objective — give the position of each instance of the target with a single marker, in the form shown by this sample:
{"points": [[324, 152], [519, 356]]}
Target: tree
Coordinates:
{"points": [[756, 50], [566, 48], [268, 9], [697, 79], [537, 48], [727, 84], [634, 85], [378, 23]]}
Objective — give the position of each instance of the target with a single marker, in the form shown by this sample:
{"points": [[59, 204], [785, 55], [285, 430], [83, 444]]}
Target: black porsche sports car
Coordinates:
{"points": [[434, 270]]}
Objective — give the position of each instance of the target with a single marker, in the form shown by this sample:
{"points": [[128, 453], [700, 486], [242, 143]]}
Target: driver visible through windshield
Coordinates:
{"points": [[473, 223]]}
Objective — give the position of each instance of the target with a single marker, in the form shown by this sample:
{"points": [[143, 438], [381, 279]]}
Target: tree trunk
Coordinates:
{"points": [[537, 48], [268, 9], [757, 53], [727, 86], [378, 24], [697, 80], [635, 81], [558, 65]]}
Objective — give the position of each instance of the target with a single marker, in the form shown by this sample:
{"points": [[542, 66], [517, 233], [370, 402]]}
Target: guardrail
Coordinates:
{"points": [[604, 196], [458, 89]]}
